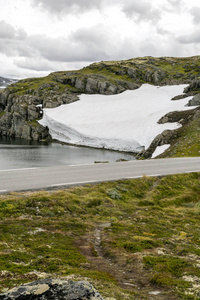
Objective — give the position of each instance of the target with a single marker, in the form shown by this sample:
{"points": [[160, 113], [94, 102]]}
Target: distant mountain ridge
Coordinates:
{"points": [[4, 82]]}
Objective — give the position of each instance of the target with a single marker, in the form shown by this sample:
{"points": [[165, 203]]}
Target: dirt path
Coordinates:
{"points": [[131, 279]]}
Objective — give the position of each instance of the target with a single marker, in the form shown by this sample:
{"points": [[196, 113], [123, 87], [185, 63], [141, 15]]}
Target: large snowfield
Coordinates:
{"points": [[124, 122]]}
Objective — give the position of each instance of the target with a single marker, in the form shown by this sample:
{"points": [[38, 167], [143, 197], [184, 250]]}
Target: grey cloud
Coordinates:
{"points": [[141, 10], [14, 48], [12, 40], [59, 49], [42, 53], [101, 43], [174, 6], [175, 3], [148, 47], [162, 31], [171, 48], [96, 40], [7, 31], [83, 45], [195, 11], [67, 6], [193, 38], [34, 63], [41, 65]]}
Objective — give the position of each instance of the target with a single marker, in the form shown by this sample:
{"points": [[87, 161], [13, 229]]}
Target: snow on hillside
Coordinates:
{"points": [[125, 122], [4, 82]]}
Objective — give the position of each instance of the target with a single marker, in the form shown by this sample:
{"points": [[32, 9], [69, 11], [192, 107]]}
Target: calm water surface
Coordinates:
{"points": [[24, 154]]}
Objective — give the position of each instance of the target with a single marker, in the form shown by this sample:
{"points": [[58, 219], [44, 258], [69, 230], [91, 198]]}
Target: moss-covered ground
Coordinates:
{"points": [[133, 239], [175, 68], [31, 85], [187, 141]]}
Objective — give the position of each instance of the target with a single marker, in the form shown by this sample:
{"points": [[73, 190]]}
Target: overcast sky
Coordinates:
{"points": [[41, 36]]}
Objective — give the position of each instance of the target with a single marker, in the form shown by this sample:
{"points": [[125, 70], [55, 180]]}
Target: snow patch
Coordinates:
{"points": [[125, 122], [160, 149], [155, 293]]}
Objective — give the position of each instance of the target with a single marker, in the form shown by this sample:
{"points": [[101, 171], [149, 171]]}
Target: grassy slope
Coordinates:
{"points": [[188, 142], [150, 235], [175, 68]]}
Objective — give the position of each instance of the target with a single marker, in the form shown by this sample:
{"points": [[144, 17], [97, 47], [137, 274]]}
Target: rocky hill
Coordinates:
{"points": [[21, 102]]}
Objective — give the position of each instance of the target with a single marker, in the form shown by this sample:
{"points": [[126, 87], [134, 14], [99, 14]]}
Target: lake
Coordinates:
{"points": [[16, 153]]}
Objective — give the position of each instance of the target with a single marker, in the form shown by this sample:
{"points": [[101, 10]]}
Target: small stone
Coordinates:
{"points": [[154, 293], [41, 288]]}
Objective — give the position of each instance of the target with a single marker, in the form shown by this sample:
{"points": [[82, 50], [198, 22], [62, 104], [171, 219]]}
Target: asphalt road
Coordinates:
{"points": [[52, 177]]}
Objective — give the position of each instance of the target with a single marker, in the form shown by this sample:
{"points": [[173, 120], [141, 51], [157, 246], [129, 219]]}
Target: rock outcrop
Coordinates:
{"points": [[53, 289], [195, 101], [95, 84], [193, 86], [162, 139], [19, 113], [17, 116]]}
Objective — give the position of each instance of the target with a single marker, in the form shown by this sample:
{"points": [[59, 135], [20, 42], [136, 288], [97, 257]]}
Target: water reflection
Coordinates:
{"points": [[15, 153]]}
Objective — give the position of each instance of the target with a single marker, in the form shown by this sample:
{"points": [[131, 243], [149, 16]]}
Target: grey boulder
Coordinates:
{"points": [[195, 101], [53, 289]]}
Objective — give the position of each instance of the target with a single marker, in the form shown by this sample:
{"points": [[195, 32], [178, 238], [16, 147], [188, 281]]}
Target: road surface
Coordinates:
{"points": [[52, 177]]}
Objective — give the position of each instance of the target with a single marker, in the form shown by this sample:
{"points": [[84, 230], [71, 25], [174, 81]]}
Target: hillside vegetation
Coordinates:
{"points": [[133, 239], [19, 109]]}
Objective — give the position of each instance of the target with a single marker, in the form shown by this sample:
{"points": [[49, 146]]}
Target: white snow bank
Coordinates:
{"points": [[159, 150], [126, 121]]}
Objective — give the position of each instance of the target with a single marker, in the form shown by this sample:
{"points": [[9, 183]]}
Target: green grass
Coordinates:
{"points": [[188, 142], [153, 235], [42, 84], [184, 67]]}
